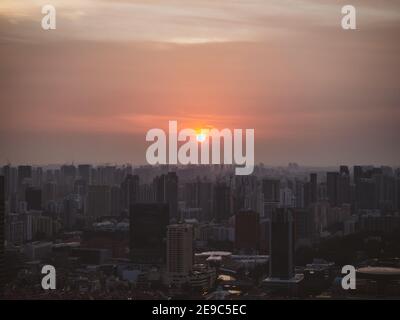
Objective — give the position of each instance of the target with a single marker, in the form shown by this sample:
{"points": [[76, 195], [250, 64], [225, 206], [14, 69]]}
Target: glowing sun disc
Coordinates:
{"points": [[201, 135]]}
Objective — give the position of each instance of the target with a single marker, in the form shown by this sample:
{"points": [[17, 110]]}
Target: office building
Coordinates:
{"points": [[282, 240], [247, 232], [179, 253], [129, 191], [271, 193], [2, 229], [166, 191], [148, 231], [33, 198], [98, 201]]}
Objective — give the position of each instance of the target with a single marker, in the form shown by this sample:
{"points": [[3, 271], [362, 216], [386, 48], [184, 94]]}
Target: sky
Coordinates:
{"points": [[90, 90]]}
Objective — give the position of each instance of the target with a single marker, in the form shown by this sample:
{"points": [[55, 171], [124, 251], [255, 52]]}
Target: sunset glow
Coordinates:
{"points": [[115, 69]]}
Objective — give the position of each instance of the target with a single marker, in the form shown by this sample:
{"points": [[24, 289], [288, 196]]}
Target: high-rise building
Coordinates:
{"points": [[179, 253], [246, 193], [43, 226], [385, 192], [106, 175], [366, 194], [166, 191], [37, 177], [33, 198], [148, 231], [7, 181], [357, 174], [222, 202], [2, 218], [344, 188], [98, 201], [115, 201], [84, 171], [271, 192], [313, 188], [80, 187], [129, 191], [304, 223], [66, 179], [68, 173], [282, 242], [24, 172], [397, 191], [300, 194], [146, 193], [247, 231], [24, 177], [332, 183], [69, 211], [49, 192], [198, 194]]}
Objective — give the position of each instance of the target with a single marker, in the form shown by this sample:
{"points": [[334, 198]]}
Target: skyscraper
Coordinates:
{"points": [[148, 231], [246, 194], [222, 201], [115, 201], [344, 188], [166, 191], [247, 231], [84, 171], [332, 183], [98, 201], [7, 181], [49, 191], [69, 211], [198, 194], [171, 192], [33, 198], [282, 241], [2, 251], [24, 175], [271, 192], [313, 188], [24, 172], [129, 191], [179, 253]]}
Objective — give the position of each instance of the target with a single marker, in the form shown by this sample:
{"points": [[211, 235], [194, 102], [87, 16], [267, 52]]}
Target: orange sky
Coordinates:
{"points": [[89, 91]]}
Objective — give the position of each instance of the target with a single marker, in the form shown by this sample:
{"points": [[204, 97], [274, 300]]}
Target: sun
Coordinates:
{"points": [[201, 135]]}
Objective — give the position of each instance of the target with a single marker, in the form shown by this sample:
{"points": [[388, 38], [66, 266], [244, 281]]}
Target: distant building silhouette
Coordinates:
{"points": [[179, 253], [115, 201], [271, 192], [84, 172], [332, 182], [129, 191], [282, 241], [24, 172], [222, 202], [2, 220], [247, 231], [148, 231], [33, 198], [198, 194], [166, 191], [98, 201]]}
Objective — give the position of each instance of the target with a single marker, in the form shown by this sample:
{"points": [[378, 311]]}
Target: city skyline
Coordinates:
{"points": [[199, 232]]}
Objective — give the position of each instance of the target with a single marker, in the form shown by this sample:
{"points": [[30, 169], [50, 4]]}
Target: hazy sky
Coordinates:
{"points": [[89, 90]]}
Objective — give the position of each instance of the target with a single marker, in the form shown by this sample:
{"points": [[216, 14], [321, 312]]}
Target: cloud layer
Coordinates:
{"points": [[90, 90]]}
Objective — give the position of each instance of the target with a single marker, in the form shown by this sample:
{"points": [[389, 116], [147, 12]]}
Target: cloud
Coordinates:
{"points": [[313, 92], [189, 21]]}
